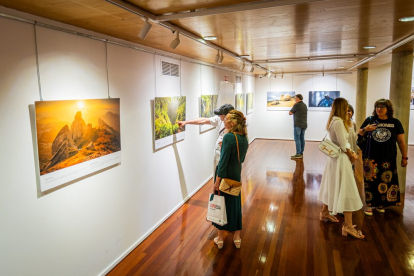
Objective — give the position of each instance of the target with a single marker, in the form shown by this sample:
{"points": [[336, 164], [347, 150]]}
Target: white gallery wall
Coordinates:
{"points": [[88, 226], [279, 124]]}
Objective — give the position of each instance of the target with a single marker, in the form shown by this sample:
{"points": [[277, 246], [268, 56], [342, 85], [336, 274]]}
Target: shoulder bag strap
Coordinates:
{"points": [[237, 142], [327, 130]]}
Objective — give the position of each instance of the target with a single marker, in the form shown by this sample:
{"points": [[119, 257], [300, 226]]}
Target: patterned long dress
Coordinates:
{"points": [[380, 165]]}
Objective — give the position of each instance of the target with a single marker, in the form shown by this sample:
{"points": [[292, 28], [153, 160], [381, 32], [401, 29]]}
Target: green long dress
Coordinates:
{"points": [[229, 167]]}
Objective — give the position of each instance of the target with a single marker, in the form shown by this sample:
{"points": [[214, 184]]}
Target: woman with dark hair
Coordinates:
{"points": [[352, 129], [383, 132], [233, 152], [338, 191]]}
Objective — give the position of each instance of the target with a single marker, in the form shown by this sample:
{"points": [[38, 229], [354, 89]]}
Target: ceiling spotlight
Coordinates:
{"points": [[323, 74], [210, 37], [252, 69], [370, 47], [220, 61], [175, 42], [274, 76], [406, 19], [217, 56], [268, 74], [243, 65], [144, 30]]}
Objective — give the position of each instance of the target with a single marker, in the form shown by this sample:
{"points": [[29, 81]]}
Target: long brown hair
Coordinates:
{"points": [[240, 126], [339, 109]]}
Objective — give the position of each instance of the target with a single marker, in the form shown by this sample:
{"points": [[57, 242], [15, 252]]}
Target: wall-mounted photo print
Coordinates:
{"points": [[240, 102], [249, 103], [280, 100], [322, 100], [412, 98], [207, 105], [168, 110], [76, 138]]}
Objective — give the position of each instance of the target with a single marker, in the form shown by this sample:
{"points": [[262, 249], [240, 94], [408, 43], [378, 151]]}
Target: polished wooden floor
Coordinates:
{"points": [[281, 232]]}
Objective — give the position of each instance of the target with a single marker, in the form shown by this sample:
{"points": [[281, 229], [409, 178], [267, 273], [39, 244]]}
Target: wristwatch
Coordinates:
{"points": [[405, 158]]}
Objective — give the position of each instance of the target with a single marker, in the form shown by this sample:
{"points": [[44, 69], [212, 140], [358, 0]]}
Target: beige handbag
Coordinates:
{"points": [[230, 186]]}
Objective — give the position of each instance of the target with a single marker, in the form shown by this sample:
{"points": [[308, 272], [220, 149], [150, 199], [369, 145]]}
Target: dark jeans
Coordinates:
{"points": [[299, 136]]}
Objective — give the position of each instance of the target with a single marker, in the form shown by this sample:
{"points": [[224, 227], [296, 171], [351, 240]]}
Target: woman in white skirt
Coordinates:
{"points": [[338, 191]]}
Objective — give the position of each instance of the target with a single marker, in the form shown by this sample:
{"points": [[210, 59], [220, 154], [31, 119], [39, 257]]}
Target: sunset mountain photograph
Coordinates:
{"points": [[75, 131]]}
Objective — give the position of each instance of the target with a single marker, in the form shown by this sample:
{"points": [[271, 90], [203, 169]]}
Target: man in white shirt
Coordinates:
{"points": [[217, 122]]}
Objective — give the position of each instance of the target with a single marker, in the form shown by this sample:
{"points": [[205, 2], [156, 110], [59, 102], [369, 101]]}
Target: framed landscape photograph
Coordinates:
{"points": [[168, 110], [249, 103], [322, 100], [207, 105], [76, 138], [412, 98], [240, 106], [280, 100]]}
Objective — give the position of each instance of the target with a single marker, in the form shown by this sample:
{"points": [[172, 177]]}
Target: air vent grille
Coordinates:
{"points": [[170, 69]]}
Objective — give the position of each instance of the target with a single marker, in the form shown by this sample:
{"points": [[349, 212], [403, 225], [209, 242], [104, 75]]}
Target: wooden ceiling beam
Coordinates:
{"points": [[385, 51], [232, 8], [330, 57]]}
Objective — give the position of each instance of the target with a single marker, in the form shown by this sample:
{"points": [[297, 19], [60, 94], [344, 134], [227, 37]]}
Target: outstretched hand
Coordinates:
{"points": [[181, 123]]}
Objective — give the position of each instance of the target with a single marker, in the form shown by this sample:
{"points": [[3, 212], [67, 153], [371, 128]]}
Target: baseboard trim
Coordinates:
{"points": [[140, 240]]}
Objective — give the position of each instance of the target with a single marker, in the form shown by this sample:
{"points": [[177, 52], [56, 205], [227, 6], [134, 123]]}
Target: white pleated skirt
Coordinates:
{"points": [[338, 187]]}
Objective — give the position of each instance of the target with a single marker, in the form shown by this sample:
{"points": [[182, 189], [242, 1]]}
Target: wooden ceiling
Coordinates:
{"points": [[282, 35]]}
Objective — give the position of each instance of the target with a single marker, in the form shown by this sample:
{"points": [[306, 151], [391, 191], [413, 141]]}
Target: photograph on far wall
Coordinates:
{"points": [[412, 98], [280, 100], [240, 106], [168, 110], [322, 100], [207, 105], [249, 103], [76, 138]]}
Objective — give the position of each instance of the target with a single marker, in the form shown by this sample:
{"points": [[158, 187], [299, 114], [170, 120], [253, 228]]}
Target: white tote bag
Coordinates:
{"points": [[216, 210]]}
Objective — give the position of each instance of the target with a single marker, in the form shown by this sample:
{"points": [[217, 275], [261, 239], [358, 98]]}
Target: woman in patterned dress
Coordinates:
{"points": [[380, 157]]}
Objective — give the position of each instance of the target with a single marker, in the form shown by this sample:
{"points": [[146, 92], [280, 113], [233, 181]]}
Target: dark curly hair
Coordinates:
{"points": [[388, 104]]}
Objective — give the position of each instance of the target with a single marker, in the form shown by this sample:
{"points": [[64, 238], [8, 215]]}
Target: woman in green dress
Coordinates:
{"points": [[230, 167]]}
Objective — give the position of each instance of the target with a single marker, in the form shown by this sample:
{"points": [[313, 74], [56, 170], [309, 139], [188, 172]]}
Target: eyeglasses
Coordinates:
{"points": [[381, 106]]}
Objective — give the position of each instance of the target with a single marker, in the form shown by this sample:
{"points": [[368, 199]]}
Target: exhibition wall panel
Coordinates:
{"points": [[104, 215], [249, 87], [279, 124]]}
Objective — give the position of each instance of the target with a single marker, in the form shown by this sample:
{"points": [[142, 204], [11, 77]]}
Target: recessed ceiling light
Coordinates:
{"points": [[341, 67], [349, 61], [244, 56], [370, 47], [210, 37], [406, 19]]}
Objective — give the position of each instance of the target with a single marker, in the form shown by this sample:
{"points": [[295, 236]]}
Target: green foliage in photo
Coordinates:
{"points": [[208, 104], [168, 110]]}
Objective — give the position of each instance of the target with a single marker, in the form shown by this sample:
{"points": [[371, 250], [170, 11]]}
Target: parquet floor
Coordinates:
{"points": [[281, 232]]}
